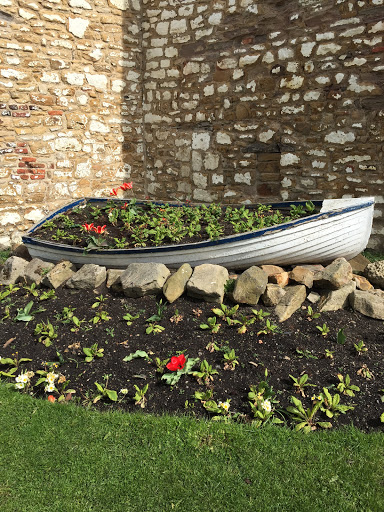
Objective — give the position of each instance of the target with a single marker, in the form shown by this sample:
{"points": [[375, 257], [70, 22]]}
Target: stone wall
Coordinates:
{"points": [[226, 100]]}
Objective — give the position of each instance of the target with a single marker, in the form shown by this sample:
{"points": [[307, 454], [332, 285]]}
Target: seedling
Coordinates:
{"points": [[331, 404], [262, 399], [226, 313], [161, 364], [205, 375], [25, 314], [139, 397], [360, 348], [324, 329], [176, 318], [104, 392], [260, 314], [365, 372], [136, 355], [305, 419], [100, 316], [230, 360], [49, 294], [305, 353], [244, 323], [341, 337], [329, 353], [99, 301], [300, 383], [221, 409], [110, 331], [32, 289], [345, 385], [311, 315], [47, 331], [211, 324], [13, 363], [268, 328], [130, 318], [92, 352], [154, 328]]}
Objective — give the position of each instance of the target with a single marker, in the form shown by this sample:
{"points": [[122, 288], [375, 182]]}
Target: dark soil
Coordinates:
{"points": [[279, 353]]}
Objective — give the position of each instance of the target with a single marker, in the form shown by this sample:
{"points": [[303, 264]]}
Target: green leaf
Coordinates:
{"points": [[382, 418], [341, 337], [136, 355], [112, 395]]}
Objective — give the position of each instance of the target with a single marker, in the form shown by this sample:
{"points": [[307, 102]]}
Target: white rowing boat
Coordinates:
{"points": [[341, 228]]}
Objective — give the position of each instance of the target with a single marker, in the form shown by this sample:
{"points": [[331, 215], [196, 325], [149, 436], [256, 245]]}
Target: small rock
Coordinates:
{"points": [[88, 277], [12, 270], [276, 275], [59, 274], [35, 271], [359, 263], [302, 275], [140, 279], [291, 302], [207, 282], [369, 303], [113, 279], [335, 275], [250, 285], [337, 299], [313, 297], [374, 272], [273, 294], [176, 285], [362, 283]]}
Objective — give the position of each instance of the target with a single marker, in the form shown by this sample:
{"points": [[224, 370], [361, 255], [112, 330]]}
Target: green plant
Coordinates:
{"points": [[47, 295], [136, 355], [174, 377], [47, 331], [305, 353], [211, 324], [32, 289], [341, 337], [154, 328], [130, 318], [262, 400], [220, 409], [230, 360], [104, 392], [99, 301], [139, 397], [25, 314], [110, 331], [268, 328], [226, 313], [360, 347], [311, 315], [161, 364], [205, 374], [300, 383], [92, 352], [328, 354], [100, 316], [345, 386], [305, 419], [244, 323], [365, 372], [324, 329], [331, 406], [13, 364], [11, 288], [260, 314]]}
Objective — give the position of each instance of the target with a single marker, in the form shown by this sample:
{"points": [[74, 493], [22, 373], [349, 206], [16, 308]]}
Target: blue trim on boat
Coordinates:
{"points": [[182, 247]]}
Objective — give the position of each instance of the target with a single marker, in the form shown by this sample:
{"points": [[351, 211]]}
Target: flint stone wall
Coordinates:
{"points": [[231, 101]]}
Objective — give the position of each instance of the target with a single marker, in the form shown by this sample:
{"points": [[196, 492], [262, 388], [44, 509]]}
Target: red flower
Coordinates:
{"points": [[88, 227], [51, 398], [114, 192], [126, 186], [177, 363], [99, 229]]}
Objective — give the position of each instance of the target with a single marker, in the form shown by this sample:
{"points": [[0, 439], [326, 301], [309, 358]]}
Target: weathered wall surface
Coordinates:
{"points": [[226, 100], [70, 103]]}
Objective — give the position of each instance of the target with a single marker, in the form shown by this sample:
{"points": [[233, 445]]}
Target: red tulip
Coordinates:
{"points": [[88, 227], [114, 192], [177, 363], [99, 229], [126, 186], [51, 398]]}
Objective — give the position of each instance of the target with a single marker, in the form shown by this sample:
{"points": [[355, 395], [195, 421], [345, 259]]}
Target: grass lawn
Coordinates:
{"points": [[60, 457]]}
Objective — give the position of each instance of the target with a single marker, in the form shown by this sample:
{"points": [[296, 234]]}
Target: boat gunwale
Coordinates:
{"points": [[249, 235]]}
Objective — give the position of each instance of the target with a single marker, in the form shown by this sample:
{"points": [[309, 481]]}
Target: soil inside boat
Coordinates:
{"points": [[118, 224]]}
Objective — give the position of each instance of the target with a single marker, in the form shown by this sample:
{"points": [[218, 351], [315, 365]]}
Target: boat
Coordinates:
{"points": [[340, 228]]}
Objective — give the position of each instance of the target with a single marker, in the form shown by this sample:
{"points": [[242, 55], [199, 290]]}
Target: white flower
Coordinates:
{"points": [[266, 405], [49, 388], [51, 377], [224, 405], [22, 378], [124, 391], [19, 385]]}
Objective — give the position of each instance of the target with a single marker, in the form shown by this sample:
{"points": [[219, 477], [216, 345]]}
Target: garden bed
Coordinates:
{"points": [[297, 348]]}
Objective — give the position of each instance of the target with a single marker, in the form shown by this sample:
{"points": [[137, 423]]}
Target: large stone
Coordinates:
{"points": [[369, 303], [59, 274], [250, 285], [337, 299], [291, 302], [12, 270], [207, 283], [362, 283], [334, 276], [35, 271], [302, 275], [359, 263], [140, 279], [176, 285], [273, 294], [113, 279], [89, 277], [374, 272]]}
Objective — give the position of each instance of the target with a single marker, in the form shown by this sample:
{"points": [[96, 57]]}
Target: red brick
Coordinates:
{"points": [[21, 150], [22, 164], [37, 166], [37, 176], [55, 112], [28, 159], [21, 114], [24, 176], [37, 171], [21, 144], [378, 49]]}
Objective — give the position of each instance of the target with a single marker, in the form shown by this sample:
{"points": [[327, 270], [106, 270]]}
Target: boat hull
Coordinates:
{"points": [[341, 229]]}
